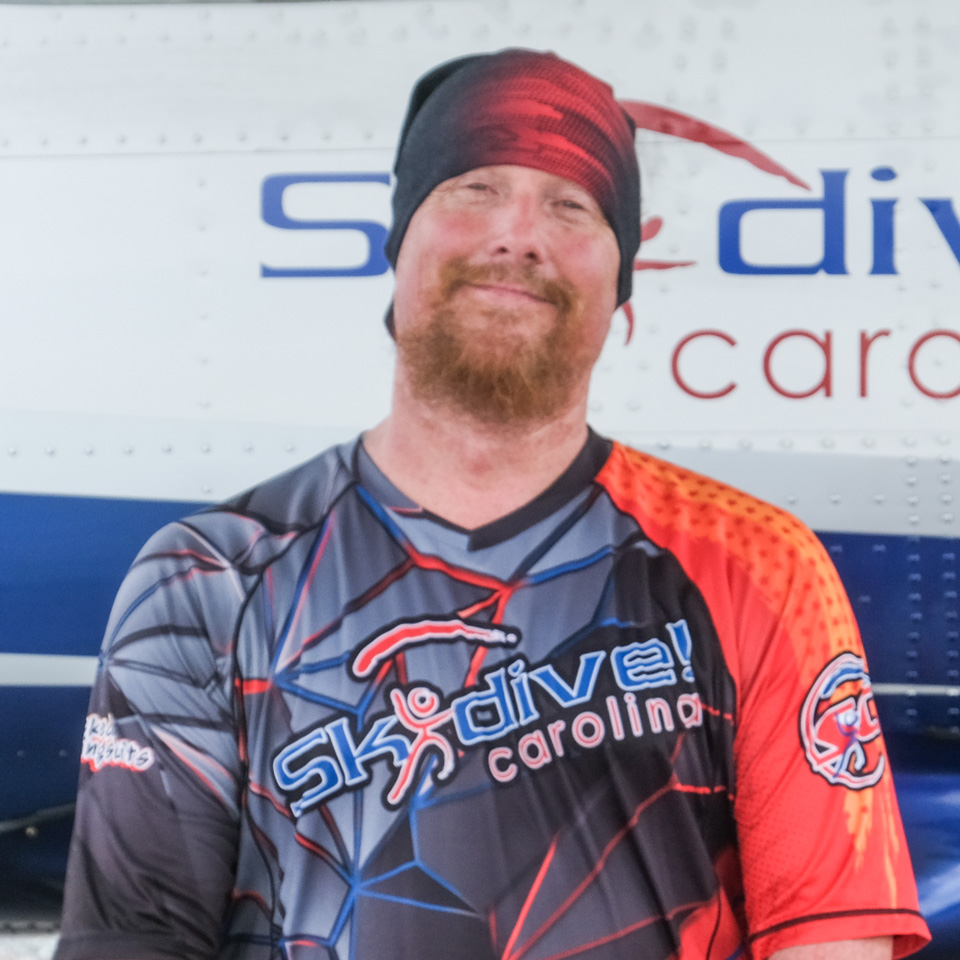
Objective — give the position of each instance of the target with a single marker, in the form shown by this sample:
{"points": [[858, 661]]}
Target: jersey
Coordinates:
{"points": [[630, 719]]}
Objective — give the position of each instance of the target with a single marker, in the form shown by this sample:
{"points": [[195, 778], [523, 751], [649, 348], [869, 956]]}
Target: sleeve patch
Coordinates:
{"points": [[103, 748], [839, 726]]}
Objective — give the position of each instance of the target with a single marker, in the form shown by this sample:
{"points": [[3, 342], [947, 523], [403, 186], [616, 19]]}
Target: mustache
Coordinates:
{"points": [[458, 273]]}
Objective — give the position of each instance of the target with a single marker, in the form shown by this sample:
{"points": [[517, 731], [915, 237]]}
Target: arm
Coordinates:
{"points": [[151, 861], [826, 867], [876, 948], [822, 853]]}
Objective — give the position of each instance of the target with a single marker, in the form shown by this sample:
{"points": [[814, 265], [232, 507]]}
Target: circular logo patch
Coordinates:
{"points": [[839, 726]]}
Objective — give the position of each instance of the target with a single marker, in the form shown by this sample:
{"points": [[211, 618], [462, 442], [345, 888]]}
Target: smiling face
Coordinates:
{"points": [[506, 283]]}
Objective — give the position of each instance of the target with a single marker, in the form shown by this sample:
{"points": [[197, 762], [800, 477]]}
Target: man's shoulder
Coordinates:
{"points": [[299, 498], [663, 495], [276, 510]]}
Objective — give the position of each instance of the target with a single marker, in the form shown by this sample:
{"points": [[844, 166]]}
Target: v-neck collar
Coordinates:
{"points": [[573, 481]]}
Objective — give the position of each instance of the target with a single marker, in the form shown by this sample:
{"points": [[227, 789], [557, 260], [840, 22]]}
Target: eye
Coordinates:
{"points": [[577, 208], [474, 192]]}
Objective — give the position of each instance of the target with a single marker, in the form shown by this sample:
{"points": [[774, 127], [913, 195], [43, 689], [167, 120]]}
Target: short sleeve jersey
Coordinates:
{"points": [[630, 719]]}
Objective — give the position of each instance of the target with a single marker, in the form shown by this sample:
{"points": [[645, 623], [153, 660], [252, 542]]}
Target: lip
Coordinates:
{"points": [[507, 291]]}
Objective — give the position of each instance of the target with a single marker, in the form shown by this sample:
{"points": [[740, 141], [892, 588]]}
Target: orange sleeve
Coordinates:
{"points": [[822, 849]]}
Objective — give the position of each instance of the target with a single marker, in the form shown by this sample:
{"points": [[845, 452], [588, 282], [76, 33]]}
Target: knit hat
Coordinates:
{"points": [[526, 108]]}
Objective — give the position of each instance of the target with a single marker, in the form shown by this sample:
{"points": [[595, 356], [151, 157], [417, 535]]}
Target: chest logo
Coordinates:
{"points": [[839, 726], [521, 714]]}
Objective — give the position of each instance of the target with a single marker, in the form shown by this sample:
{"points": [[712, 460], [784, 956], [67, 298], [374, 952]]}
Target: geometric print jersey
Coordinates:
{"points": [[630, 719]]}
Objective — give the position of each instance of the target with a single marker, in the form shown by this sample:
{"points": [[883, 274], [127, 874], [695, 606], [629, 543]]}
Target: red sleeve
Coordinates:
{"points": [[821, 845]]}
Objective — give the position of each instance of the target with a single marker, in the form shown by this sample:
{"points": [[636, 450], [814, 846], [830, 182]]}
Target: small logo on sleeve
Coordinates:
{"points": [[103, 748], [839, 726]]}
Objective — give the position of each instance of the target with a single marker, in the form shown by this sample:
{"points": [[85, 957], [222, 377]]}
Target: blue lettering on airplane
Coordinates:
{"points": [[271, 206], [831, 205]]}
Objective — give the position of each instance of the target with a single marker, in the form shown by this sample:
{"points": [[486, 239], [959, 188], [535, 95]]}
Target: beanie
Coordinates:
{"points": [[526, 108]]}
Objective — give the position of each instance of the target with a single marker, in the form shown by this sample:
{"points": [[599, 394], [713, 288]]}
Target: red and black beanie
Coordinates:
{"points": [[527, 108]]}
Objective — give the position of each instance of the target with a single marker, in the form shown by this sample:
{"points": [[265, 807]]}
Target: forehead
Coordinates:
{"points": [[511, 174]]}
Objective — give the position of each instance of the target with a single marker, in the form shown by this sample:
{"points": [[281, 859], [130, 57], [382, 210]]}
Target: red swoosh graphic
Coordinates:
{"points": [[403, 635], [649, 116], [650, 228]]}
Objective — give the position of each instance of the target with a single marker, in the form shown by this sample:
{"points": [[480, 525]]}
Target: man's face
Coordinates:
{"points": [[506, 283]]}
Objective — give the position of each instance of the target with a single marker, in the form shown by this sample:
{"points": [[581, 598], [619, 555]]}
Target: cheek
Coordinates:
{"points": [[595, 269], [456, 234], [406, 288], [416, 270], [428, 244]]}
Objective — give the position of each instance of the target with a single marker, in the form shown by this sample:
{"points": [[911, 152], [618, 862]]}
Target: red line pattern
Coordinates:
{"points": [[303, 594], [714, 712], [584, 883], [262, 791], [197, 761], [500, 594], [514, 952], [618, 934], [528, 903]]}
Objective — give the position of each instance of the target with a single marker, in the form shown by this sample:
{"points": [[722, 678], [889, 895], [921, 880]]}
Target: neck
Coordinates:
{"points": [[468, 472]]}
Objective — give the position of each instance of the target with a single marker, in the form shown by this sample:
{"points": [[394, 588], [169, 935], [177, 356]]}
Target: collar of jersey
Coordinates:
{"points": [[573, 481]]}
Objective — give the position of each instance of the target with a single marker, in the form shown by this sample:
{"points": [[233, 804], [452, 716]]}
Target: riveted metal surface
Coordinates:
{"points": [[142, 197], [903, 593]]}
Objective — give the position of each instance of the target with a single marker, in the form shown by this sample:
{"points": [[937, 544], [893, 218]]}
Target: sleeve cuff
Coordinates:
{"points": [[907, 927]]}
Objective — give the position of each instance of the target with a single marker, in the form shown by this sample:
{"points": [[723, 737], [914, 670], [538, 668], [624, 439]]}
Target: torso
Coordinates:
{"points": [[511, 742]]}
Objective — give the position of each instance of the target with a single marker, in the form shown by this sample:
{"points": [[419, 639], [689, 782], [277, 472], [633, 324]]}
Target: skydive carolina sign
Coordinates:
{"points": [[828, 203]]}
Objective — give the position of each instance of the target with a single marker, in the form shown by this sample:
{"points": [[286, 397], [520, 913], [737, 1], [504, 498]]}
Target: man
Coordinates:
{"points": [[481, 683]]}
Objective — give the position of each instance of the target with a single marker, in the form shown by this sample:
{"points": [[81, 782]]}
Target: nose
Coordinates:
{"points": [[518, 233]]}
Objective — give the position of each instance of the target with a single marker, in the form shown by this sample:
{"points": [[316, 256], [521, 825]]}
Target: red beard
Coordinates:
{"points": [[495, 371]]}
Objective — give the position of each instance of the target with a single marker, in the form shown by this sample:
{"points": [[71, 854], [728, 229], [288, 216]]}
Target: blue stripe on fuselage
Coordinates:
{"points": [[62, 561]]}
